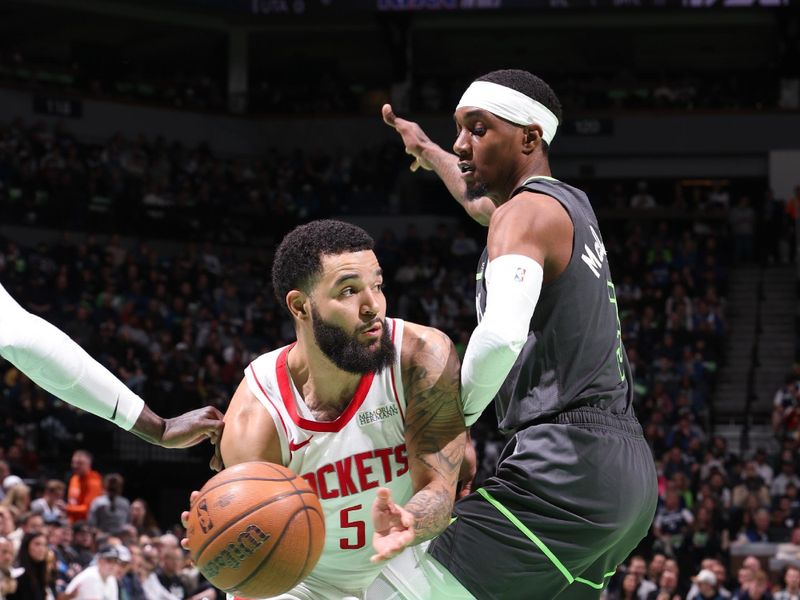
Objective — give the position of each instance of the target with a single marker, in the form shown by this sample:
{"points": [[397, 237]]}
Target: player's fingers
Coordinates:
{"points": [[383, 499], [414, 166], [185, 543], [388, 115], [185, 518]]}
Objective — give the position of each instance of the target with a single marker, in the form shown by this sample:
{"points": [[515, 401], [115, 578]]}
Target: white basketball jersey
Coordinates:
{"points": [[344, 460]]}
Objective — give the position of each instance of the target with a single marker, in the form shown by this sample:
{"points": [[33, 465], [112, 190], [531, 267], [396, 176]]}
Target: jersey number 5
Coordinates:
{"points": [[359, 526]]}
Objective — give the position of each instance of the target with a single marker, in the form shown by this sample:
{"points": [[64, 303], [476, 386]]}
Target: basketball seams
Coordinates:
{"points": [[242, 515], [205, 490]]}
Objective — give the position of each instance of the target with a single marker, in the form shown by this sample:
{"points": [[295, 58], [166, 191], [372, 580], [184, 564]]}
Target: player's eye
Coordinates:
{"points": [[348, 291], [478, 129]]}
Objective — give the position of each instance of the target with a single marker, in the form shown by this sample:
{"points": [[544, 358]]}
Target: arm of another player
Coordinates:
{"points": [[526, 237], [435, 438], [432, 157], [53, 361]]}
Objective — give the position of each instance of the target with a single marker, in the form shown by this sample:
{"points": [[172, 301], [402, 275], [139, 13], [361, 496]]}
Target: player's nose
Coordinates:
{"points": [[461, 145]]}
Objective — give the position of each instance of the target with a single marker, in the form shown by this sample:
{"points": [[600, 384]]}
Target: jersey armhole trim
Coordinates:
{"points": [[286, 453]]}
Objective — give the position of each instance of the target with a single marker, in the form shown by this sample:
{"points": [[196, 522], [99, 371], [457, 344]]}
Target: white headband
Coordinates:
{"points": [[512, 105]]}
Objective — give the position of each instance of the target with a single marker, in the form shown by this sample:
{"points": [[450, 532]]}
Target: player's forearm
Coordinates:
{"points": [[431, 507], [56, 363], [445, 165]]}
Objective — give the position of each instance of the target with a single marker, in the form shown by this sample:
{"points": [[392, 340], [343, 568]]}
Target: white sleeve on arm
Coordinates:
{"points": [[53, 361], [513, 285]]}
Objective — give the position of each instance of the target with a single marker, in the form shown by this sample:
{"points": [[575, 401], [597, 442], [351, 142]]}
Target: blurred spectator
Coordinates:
{"points": [[757, 589], [130, 586], [33, 583], [82, 547], [787, 476], [84, 486], [18, 499], [98, 580], [791, 584], [752, 486], [151, 584], [667, 584], [642, 199], [141, 518], [671, 524], [629, 589], [110, 511], [8, 581], [51, 505], [706, 582]]}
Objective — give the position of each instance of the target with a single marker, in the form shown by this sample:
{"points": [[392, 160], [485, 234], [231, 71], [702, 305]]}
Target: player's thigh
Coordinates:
{"points": [[552, 513]]}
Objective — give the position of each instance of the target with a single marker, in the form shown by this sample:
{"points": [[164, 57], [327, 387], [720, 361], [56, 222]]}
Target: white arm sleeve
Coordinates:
{"points": [[513, 285], [52, 360]]}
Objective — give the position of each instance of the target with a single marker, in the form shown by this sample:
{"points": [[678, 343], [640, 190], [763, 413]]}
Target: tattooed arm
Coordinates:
{"points": [[435, 438]]}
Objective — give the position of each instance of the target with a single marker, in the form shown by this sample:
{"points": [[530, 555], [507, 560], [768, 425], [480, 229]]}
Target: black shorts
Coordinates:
{"points": [[571, 499]]}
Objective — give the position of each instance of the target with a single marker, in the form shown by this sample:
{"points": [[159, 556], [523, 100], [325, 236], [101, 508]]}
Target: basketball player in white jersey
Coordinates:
{"points": [[361, 406], [56, 363]]}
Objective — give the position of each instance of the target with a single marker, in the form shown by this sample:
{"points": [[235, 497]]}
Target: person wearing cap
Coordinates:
{"points": [[82, 548], [706, 582], [130, 584], [548, 351], [98, 580], [54, 362]]}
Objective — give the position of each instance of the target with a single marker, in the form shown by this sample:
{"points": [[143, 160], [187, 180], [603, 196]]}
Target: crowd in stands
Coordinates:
{"points": [[179, 326], [322, 89], [48, 178], [90, 542]]}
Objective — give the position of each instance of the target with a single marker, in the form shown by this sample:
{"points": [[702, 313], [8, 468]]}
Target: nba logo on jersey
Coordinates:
{"points": [[519, 274]]}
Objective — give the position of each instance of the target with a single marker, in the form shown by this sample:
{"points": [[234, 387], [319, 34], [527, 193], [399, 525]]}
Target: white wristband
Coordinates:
{"points": [[56, 363], [513, 285]]}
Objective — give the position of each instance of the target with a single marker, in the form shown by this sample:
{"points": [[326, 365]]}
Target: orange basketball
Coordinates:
{"points": [[256, 530]]}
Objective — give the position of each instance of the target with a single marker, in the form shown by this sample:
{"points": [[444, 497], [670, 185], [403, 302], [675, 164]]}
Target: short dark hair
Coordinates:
{"points": [[298, 259], [530, 85]]}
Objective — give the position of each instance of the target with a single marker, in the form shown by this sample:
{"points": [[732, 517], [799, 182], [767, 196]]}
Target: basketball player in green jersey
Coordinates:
{"points": [[575, 488]]}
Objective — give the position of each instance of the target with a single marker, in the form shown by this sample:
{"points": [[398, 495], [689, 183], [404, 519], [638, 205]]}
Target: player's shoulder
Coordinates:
{"points": [[529, 207], [424, 345], [529, 215], [416, 335]]}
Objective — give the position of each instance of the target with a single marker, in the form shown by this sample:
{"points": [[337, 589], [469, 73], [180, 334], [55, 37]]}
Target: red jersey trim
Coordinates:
{"points": [[278, 412], [394, 386], [285, 387]]}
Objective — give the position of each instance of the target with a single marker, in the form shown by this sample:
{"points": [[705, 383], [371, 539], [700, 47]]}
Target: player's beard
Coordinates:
{"points": [[346, 352]]}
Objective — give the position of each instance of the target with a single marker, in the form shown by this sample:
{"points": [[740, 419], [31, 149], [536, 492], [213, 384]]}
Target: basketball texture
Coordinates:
{"points": [[256, 530]]}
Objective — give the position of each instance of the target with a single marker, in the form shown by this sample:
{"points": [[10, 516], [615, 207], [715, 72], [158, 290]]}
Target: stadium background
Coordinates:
{"points": [[153, 153]]}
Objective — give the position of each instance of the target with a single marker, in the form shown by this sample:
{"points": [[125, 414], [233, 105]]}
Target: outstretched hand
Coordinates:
{"points": [[415, 140], [192, 428], [394, 527]]}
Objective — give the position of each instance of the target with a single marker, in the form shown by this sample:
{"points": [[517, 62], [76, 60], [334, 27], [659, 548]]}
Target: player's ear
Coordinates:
{"points": [[531, 138], [296, 302]]}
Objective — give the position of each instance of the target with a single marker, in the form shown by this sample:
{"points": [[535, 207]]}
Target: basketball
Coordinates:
{"points": [[256, 530]]}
